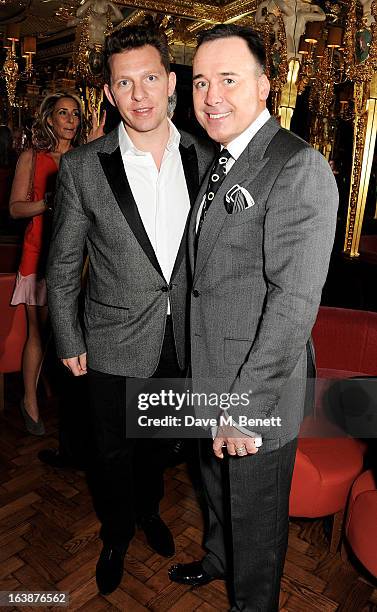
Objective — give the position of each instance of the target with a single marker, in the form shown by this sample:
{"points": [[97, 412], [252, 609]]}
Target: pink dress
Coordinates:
{"points": [[30, 287]]}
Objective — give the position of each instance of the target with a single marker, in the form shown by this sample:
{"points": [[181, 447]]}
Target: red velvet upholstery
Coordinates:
{"points": [[361, 524], [13, 330], [346, 345], [346, 340]]}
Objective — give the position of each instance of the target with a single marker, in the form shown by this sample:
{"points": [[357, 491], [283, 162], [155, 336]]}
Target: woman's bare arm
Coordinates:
{"points": [[19, 206]]}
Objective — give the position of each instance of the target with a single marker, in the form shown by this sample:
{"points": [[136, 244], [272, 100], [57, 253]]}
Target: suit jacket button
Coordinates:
{"points": [[164, 289], [195, 293]]}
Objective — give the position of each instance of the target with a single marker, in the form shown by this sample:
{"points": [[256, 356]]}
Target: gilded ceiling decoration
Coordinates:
{"points": [[46, 17]]}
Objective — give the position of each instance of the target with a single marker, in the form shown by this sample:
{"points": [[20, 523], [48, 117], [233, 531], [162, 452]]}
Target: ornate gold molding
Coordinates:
{"points": [[365, 77], [354, 211], [237, 9], [195, 10], [11, 74], [277, 68], [134, 19]]}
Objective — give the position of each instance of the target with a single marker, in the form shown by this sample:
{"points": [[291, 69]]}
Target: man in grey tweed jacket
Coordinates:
{"points": [[260, 244], [126, 198]]}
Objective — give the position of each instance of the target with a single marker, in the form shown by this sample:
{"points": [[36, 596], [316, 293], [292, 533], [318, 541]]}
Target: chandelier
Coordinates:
{"points": [[10, 70]]}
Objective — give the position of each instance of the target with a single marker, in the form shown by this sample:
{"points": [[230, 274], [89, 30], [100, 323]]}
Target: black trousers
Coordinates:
{"points": [[247, 523], [125, 475], [74, 434]]}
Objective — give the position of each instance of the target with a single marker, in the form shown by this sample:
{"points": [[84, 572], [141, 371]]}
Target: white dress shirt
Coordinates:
{"points": [[161, 195], [238, 145]]}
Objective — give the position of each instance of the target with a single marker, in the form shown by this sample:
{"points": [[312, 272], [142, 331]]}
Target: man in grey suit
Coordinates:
{"points": [[126, 198], [260, 237]]}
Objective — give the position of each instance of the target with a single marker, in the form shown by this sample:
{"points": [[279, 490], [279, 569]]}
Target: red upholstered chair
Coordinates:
{"points": [[361, 523], [13, 331], [327, 464]]}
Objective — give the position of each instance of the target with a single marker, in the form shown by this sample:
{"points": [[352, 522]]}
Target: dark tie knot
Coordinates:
{"points": [[218, 171], [222, 160], [223, 156], [216, 177]]}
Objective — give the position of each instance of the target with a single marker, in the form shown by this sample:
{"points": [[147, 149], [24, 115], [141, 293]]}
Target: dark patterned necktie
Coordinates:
{"points": [[218, 173]]}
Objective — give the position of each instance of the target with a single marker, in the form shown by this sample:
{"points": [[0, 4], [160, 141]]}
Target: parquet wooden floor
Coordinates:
{"points": [[48, 541]]}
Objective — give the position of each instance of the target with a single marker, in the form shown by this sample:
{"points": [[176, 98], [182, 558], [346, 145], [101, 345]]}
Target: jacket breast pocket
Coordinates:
{"points": [[105, 311], [236, 351], [244, 216]]}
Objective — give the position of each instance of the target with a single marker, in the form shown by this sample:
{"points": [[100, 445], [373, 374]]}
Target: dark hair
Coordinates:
{"points": [[43, 137], [6, 146], [135, 37], [250, 36]]}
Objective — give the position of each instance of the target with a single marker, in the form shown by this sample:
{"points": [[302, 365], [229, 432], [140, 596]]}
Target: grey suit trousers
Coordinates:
{"points": [[248, 500]]}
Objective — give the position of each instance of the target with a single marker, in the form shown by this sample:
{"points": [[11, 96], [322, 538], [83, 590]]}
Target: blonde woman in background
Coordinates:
{"points": [[58, 128]]}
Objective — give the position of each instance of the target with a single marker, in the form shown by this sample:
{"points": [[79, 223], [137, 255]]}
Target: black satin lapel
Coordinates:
{"points": [[191, 170], [112, 165], [182, 249]]}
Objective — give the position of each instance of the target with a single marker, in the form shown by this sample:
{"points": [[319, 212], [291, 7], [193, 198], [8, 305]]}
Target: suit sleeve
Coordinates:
{"points": [[298, 238], [64, 265]]}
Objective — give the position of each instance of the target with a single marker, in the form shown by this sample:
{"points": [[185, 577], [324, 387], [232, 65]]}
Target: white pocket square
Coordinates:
{"points": [[238, 199]]}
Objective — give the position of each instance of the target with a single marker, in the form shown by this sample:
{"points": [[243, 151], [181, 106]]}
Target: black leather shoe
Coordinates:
{"points": [[109, 570], [54, 458], [191, 573], [158, 535]]}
